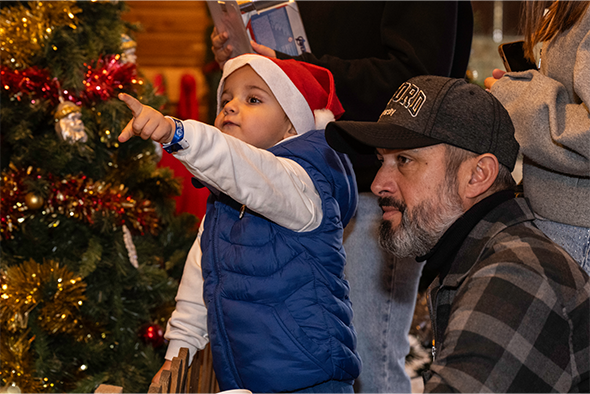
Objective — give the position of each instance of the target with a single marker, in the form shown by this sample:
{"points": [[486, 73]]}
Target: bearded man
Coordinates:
{"points": [[510, 309]]}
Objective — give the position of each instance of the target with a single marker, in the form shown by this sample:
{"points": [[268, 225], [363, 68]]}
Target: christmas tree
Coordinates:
{"points": [[91, 249]]}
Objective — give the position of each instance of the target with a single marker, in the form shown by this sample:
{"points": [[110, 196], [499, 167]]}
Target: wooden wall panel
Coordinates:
{"points": [[173, 32], [172, 42]]}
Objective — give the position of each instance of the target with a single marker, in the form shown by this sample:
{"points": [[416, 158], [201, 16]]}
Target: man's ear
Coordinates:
{"points": [[484, 172]]}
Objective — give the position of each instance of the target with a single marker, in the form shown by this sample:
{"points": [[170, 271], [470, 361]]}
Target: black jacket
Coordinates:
{"points": [[372, 47]]}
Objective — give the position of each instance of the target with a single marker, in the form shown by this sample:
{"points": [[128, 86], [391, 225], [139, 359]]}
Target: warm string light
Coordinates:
{"points": [[77, 197], [103, 80], [24, 30], [107, 76], [25, 301], [57, 294]]}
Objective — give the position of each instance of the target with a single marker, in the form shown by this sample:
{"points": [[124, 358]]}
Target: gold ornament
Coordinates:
{"points": [[24, 30], [34, 201]]}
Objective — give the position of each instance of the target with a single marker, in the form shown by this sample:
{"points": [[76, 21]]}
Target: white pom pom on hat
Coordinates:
{"points": [[305, 91]]}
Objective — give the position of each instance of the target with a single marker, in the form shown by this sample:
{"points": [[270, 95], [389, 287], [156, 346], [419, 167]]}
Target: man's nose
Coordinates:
{"points": [[383, 183]]}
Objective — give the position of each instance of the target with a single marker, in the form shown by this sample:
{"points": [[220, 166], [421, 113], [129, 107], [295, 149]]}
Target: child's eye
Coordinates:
{"points": [[254, 100], [224, 99]]}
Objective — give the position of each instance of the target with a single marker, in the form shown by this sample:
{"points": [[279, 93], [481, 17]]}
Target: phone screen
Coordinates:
{"points": [[512, 54]]}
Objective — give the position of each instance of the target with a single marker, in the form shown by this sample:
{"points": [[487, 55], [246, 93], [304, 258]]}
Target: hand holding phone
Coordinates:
{"points": [[227, 18], [512, 54]]}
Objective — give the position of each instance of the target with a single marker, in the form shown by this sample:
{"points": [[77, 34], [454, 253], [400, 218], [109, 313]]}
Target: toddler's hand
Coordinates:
{"points": [[146, 122]]}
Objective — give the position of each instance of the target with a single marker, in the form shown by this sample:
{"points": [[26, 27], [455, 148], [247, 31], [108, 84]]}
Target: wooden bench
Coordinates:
{"points": [[199, 377]]}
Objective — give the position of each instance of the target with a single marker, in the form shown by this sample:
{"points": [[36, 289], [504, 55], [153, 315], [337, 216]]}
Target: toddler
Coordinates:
{"points": [[264, 280]]}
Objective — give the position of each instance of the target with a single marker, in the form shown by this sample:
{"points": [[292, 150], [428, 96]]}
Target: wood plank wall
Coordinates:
{"points": [[172, 42]]}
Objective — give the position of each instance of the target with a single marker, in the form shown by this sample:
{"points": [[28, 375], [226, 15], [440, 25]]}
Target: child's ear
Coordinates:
{"points": [[290, 132], [484, 170]]}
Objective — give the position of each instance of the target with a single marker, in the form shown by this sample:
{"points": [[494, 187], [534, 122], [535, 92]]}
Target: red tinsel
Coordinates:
{"points": [[73, 196], [32, 82], [107, 77], [104, 79]]}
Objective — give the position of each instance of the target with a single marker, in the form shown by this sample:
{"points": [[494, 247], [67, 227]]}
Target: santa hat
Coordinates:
{"points": [[305, 92]]}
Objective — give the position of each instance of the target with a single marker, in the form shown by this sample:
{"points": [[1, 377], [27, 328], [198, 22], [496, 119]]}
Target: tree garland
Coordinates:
{"points": [[104, 79], [73, 196], [57, 294], [24, 30]]}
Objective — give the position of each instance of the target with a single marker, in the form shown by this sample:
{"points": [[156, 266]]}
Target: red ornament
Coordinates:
{"points": [[153, 334]]}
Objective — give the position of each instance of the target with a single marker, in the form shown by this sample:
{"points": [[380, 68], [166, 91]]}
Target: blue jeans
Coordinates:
{"points": [[383, 292], [575, 240], [331, 386]]}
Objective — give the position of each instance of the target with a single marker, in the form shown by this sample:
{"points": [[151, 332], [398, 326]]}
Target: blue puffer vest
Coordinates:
{"points": [[279, 316]]}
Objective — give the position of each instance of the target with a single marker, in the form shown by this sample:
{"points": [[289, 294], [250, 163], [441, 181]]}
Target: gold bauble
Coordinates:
{"points": [[34, 201]]}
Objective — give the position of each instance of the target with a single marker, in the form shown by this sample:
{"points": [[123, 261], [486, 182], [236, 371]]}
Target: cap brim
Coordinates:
{"points": [[363, 137]]}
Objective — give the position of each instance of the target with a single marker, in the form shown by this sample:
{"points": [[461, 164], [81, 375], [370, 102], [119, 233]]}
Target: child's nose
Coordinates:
{"points": [[230, 107]]}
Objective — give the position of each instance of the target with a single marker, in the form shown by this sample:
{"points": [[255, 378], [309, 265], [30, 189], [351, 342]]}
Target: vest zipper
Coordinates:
{"points": [[431, 297]]}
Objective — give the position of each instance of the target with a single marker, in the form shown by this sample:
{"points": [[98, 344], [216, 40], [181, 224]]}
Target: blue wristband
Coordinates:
{"points": [[178, 142], [178, 132]]}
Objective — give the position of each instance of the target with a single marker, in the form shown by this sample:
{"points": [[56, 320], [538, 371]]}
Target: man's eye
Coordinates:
{"points": [[403, 160]]}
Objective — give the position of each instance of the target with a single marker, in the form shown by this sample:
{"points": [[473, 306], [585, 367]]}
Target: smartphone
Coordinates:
{"points": [[227, 17], [512, 54]]}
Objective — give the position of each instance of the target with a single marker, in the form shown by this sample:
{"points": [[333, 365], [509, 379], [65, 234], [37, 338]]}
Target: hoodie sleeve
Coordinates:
{"points": [[275, 187], [187, 327], [552, 128]]}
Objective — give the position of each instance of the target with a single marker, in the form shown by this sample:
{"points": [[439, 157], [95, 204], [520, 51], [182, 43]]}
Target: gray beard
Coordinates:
{"points": [[421, 227]]}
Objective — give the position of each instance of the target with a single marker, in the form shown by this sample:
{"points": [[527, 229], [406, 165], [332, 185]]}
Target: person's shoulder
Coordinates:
{"points": [[525, 255]]}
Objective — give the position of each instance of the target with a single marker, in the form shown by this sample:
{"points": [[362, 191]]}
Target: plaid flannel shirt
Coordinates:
{"points": [[512, 314]]}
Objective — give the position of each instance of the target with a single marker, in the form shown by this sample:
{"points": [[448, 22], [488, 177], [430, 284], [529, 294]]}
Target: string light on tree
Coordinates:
{"points": [[24, 30], [71, 193], [76, 197]]}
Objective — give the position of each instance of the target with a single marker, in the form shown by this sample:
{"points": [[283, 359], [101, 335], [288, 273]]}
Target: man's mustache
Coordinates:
{"points": [[392, 202]]}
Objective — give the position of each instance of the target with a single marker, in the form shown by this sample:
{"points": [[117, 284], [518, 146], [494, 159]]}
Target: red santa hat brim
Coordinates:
{"points": [[305, 92]]}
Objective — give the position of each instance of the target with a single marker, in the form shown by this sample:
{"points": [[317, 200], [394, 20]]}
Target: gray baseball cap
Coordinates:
{"points": [[429, 110]]}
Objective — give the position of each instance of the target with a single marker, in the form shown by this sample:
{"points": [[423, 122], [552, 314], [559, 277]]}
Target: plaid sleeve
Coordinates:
{"points": [[508, 332]]}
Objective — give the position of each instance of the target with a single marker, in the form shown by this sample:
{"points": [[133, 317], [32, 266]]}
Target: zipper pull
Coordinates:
{"points": [[433, 350], [242, 211]]}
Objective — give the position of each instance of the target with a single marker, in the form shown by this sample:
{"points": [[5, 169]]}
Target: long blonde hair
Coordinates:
{"points": [[539, 27]]}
